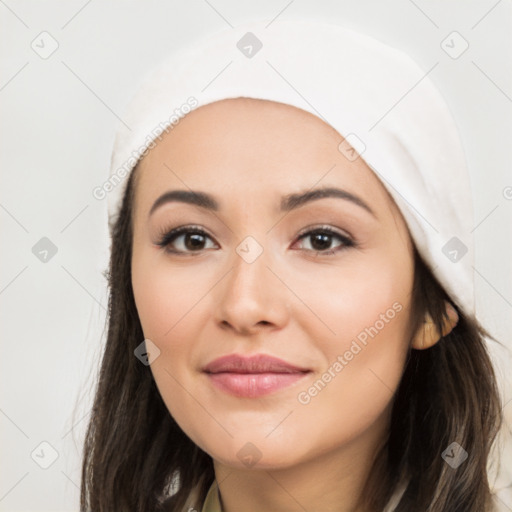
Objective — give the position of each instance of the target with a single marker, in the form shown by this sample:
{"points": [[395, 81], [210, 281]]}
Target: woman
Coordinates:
{"points": [[291, 315]]}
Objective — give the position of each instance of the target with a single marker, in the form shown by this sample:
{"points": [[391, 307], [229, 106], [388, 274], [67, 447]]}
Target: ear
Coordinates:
{"points": [[428, 335]]}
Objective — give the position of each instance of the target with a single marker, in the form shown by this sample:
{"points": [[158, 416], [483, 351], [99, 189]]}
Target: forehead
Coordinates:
{"points": [[253, 147]]}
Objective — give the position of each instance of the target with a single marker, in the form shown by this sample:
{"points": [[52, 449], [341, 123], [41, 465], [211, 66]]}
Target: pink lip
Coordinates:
{"points": [[252, 376]]}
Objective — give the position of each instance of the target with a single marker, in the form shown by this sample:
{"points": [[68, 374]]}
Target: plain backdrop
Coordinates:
{"points": [[58, 117]]}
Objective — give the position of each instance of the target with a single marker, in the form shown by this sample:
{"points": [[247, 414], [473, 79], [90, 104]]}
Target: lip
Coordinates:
{"points": [[252, 376]]}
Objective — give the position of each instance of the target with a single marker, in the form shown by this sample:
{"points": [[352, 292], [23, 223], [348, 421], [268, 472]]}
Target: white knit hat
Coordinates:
{"points": [[375, 96]]}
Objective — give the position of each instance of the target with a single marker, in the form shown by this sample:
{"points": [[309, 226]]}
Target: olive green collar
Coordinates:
{"points": [[212, 501]]}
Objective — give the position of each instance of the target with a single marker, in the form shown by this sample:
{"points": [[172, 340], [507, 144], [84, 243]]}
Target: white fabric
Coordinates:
{"points": [[356, 84]]}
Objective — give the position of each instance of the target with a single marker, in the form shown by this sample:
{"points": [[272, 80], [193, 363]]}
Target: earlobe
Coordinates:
{"points": [[428, 335]]}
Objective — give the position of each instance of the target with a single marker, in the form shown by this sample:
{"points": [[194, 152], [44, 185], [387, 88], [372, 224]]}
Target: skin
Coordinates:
{"points": [[291, 303]]}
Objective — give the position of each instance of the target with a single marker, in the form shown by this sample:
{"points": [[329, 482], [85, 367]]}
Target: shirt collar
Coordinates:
{"points": [[212, 501]]}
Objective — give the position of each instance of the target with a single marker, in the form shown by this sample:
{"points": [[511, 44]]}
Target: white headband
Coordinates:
{"points": [[375, 96]]}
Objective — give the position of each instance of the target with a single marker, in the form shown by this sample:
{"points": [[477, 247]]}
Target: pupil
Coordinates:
{"points": [[322, 237], [195, 240]]}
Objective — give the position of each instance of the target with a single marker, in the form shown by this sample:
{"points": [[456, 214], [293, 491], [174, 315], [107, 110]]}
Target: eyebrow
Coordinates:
{"points": [[288, 202]]}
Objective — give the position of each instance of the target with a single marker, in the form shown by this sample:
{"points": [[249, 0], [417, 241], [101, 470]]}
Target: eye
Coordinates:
{"points": [[183, 240], [321, 239]]}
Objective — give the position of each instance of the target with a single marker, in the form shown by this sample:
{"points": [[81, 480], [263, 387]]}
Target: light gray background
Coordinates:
{"points": [[58, 117]]}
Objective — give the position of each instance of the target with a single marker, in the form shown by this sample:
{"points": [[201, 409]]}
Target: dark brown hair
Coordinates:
{"points": [[134, 451]]}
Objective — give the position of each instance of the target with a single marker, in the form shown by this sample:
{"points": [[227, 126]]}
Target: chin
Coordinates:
{"points": [[254, 455]]}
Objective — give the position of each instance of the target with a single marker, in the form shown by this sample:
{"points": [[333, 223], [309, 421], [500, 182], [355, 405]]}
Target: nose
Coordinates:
{"points": [[252, 297]]}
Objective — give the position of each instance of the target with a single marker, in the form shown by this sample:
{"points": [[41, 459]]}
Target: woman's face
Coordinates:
{"points": [[322, 285]]}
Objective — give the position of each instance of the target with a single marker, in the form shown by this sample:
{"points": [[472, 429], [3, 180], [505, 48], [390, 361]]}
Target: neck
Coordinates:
{"points": [[333, 481]]}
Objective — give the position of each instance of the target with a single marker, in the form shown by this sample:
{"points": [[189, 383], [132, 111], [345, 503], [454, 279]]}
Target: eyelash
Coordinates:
{"points": [[167, 237]]}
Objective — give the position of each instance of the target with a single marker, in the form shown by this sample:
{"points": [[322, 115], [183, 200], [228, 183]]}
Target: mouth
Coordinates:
{"points": [[253, 376]]}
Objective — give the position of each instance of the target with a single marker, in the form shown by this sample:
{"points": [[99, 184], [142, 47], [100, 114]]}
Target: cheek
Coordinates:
{"points": [[352, 395], [168, 302], [174, 305], [361, 292], [367, 308], [164, 295]]}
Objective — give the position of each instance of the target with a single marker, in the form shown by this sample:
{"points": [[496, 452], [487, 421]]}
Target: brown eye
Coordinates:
{"points": [[184, 240], [321, 241]]}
